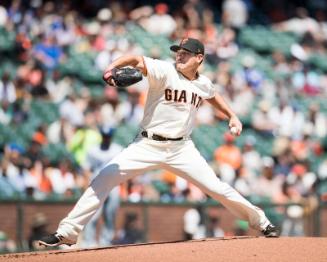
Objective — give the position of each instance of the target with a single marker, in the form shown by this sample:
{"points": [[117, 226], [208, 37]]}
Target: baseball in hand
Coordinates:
{"points": [[233, 130]]}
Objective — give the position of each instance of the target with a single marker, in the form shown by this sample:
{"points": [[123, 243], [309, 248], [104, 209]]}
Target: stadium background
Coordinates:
{"points": [[267, 59]]}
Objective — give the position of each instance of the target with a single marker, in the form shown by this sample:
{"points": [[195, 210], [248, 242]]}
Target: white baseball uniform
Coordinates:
{"points": [[170, 111]]}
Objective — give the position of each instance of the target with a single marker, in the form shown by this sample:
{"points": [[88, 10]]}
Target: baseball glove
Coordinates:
{"points": [[125, 76]]}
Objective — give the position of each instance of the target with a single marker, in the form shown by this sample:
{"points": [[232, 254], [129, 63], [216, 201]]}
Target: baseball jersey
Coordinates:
{"points": [[172, 100]]}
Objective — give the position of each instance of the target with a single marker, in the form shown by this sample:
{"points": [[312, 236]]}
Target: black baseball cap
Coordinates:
{"points": [[190, 44]]}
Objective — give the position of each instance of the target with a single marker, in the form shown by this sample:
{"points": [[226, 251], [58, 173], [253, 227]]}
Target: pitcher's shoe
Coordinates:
{"points": [[54, 240], [270, 231]]}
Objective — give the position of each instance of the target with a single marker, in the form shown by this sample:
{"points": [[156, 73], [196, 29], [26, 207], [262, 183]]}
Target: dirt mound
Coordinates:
{"points": [[225, 249]]}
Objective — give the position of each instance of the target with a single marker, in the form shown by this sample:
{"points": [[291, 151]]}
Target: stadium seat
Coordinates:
{"points": [[56, 152], [125, 134]]}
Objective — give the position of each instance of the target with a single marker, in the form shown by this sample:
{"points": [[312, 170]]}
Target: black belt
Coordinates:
{"points": [[160, 138]]}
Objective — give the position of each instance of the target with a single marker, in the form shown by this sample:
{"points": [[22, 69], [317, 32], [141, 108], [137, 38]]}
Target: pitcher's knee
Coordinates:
{"points": [[213, 190], [219, 189], [107, 175]]}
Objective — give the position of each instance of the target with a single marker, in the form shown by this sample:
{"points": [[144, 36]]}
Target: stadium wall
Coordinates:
{"points": [[161, 222]]}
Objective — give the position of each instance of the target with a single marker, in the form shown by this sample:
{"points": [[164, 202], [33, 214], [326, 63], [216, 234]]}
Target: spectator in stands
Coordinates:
{"points": [[268, 184], [306, 81], [280, 62], [38, 171], [3, 16], [7, 190], [40, 135], [301, 148], [241, 98], [322, 21], [7, 89], [60, 131], [162, 18], [235, 13], [301, 179], [193, 12], [214, 229], [224, 78], [284, 157], [71, 110], [251, 158], [110, 111], [193, 194], [48, 53], [316, 122], [97, 156], [209, 26], [23, 181], [61, 178], [36, 82], [249, 74], [166, 186], [19, 112], [34, 149], [226, 45], [84, 138], [131, 111], [284, 118], [229, 158], [23, 46], [134, 190], [228, 153], [18, 173], [59, 87], [322, 170], [194, 227], [104, 57], [5, 113], [131, 232], [15, 12], [293, 224], [300, 24], [242, 181], [261, 120], [119, 15]]}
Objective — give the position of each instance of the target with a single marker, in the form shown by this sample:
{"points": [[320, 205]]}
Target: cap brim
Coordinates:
{"points": [[175, 48]]}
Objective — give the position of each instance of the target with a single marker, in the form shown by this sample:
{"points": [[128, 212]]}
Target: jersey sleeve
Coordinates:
{"points": [[211, 89], [157, 70]]}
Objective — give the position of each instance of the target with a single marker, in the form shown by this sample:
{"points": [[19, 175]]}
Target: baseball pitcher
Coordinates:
{"points": [[175, 94]]}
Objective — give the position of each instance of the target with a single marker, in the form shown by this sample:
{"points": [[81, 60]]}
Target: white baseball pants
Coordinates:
{"points": [[180, 157]]}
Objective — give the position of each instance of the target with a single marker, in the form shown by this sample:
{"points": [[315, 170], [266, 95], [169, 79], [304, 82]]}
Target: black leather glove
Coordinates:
{"points": [[125, 76]]}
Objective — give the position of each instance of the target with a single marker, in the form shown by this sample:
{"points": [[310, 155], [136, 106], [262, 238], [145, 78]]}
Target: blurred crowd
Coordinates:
{"points": [[47, 33]]}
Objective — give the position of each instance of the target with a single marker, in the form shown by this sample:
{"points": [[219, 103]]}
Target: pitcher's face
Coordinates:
{"points": [[186, 60]]}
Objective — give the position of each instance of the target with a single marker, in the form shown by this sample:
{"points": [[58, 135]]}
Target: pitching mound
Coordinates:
{"points": [[226, 249]]}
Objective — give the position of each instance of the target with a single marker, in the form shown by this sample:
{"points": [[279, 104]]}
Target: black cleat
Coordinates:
{"points": [[270, 231], [54, 240]]}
